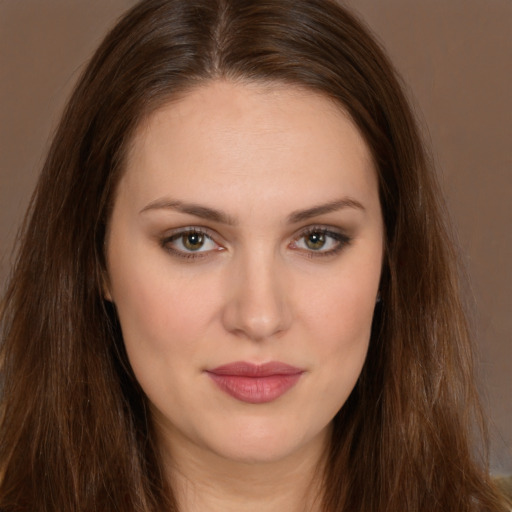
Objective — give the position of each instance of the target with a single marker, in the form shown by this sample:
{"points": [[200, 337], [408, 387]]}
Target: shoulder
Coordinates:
{"points": [[504, 484]]}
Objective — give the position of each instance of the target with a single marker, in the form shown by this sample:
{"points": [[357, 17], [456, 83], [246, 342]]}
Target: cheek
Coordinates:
{"points": [[163, 314], [160, 333], [346, 336], [342, 308], [341, 315]]}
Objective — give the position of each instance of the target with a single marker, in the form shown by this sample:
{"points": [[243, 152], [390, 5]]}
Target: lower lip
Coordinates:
{"points": [[255, 390]]}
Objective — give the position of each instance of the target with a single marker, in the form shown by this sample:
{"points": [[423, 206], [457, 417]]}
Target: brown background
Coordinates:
{"points": [[456, 59]]}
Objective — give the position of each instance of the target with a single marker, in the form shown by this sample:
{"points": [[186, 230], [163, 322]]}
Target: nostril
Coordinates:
{"points": [[258, 311]]}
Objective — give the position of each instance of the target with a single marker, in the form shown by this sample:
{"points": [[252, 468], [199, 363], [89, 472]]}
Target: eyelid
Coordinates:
{"points": [[336, 234], [341, 239], [170, 237]]}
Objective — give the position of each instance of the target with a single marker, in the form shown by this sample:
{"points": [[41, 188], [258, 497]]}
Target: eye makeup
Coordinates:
{"points": [[191, 243], [320, 241], [195, 242]]}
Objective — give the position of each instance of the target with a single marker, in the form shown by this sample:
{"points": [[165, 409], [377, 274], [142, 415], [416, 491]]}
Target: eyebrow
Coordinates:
{"points": [[333, 206], [204, 212]]}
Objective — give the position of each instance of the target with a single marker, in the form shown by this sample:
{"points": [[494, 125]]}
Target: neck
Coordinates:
{"points": [[202, 480]]}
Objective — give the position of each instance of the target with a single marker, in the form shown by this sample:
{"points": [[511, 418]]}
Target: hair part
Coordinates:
{"points": [[75, 431]]}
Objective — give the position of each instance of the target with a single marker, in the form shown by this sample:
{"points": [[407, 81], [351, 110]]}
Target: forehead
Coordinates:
{"points": [[272, 138]]}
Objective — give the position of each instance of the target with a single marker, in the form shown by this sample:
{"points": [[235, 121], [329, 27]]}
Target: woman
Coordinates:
{"points": [[236, 290]]}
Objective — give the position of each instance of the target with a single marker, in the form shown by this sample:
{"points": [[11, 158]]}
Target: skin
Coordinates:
{"points": [[257, 290]]}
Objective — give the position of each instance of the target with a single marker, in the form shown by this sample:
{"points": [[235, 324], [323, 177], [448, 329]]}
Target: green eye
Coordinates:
{"points": [[315, 240], [320, 242], [189, 242]]}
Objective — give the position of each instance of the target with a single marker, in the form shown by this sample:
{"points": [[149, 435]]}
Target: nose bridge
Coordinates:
{"points": [[258, 306]]}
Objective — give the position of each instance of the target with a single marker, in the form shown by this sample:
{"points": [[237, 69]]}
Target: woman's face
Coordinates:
{"points": [[244, 255]]}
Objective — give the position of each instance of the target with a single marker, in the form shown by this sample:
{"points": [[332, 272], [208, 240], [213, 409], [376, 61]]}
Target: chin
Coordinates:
{"points": [[255, 443]]}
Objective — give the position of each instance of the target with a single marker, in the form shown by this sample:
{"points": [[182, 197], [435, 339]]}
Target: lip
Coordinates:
{"points": [[255, 383]]}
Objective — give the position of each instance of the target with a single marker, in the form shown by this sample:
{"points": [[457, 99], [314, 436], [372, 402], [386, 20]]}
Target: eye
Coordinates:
{"points": [[190, 243], [322, 241]]}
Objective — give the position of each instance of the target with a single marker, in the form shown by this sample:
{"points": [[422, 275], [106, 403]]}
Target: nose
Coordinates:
{"points": [[259, 299]]}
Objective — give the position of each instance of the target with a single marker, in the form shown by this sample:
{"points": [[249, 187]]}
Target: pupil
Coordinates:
{"points": [[193, 241], [315, 240]]}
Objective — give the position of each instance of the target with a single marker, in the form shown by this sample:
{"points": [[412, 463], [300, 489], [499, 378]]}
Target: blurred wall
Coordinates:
{"points": [[456, 59]]}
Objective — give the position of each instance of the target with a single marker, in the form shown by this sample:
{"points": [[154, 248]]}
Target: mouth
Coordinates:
{"points": [[253, 383]]}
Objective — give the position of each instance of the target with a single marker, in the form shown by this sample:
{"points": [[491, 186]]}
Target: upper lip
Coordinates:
{"points": [[245, 369]]}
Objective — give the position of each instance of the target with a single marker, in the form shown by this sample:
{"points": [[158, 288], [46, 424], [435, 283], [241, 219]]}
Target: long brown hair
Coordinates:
{"points": [[75, 434]]}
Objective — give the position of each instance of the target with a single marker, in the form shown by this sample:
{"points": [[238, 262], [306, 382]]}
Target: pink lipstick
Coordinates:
{"points": [[253, 383]]}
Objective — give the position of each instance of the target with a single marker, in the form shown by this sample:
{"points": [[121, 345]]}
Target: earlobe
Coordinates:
{"points": [[105, 287], [103, 269]]}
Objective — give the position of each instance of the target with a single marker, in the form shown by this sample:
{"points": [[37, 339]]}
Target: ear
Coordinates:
{"points": [[104, 278], [105, 286]]}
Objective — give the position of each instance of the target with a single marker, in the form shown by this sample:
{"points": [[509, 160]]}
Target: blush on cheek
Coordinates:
{"points": [[348, 338]]}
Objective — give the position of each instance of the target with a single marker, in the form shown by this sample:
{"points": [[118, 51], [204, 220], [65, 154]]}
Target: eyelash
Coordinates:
{"points": [[339, 238], [167, 241]]}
